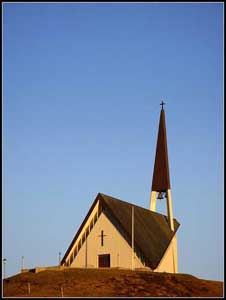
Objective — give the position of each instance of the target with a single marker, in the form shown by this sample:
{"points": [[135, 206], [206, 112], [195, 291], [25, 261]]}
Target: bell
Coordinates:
{"points": [[160, 196]]}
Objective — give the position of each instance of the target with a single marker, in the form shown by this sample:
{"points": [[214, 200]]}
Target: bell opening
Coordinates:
{"points": [[161, 195]]}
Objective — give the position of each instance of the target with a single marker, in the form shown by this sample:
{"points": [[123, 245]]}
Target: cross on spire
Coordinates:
{"points": [[162, 103]]}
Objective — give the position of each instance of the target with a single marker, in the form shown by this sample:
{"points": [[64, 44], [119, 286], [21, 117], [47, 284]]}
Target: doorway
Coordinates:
{"points": [[104, 261]]}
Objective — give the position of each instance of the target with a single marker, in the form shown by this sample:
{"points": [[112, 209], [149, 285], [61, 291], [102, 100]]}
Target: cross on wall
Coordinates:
{"points": [[102, 235]]}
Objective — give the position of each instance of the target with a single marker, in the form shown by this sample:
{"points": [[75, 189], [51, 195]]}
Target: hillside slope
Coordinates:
{"points": [[108, 283]]}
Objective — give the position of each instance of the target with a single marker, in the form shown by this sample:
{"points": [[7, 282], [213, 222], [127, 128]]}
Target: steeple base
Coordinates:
{"points": [[172, 255]]}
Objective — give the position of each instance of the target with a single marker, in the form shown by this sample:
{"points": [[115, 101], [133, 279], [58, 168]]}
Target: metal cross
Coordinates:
{"points": [[102, 237], [162, 103]]}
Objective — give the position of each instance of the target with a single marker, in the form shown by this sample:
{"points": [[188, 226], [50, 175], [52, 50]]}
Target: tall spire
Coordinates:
{"points": [[161, 178], [161, 181]]}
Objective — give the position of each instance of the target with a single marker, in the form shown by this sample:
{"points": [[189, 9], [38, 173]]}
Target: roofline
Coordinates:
{"points": [[153, 212]]}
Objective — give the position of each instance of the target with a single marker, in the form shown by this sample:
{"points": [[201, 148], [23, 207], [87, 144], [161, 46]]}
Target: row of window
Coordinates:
{"points": [[83, 238]]}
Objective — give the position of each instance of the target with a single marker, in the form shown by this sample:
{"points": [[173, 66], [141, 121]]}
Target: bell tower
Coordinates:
{"points": [[161, 179]]}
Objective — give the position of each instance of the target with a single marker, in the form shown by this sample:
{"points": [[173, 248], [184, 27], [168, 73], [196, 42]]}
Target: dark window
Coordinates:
{"points": [[91, 225], [75, 252], [104, 261], [71, 259], [87, 231], [100, 209], [83, 238], [95, 218], [79, 245]]}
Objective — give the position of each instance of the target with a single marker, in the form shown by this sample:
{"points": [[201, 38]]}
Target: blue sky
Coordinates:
{"points": [[82, 85]]}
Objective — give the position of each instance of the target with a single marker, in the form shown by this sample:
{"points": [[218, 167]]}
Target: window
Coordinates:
{"points": [[95, 218], [91, 225], [75, 252], [71, 258], [79, 245], [100, 209], [104, 261], [83, 238]]}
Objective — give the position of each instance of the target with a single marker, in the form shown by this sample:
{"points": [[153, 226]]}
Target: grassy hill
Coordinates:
{"points": [[108, 283]]}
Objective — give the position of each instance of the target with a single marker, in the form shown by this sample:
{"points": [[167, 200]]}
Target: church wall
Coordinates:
{"points": [[169, 260], [114, 244]]}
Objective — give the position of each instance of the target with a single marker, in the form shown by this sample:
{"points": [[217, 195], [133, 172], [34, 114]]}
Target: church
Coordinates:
{"points": [[119, 234]]}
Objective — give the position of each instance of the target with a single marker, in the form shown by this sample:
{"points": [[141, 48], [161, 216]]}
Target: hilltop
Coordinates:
{"points": [[109, 283]]}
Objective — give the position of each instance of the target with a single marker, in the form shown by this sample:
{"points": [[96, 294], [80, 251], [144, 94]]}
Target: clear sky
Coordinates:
{"points": [[82, 84]]}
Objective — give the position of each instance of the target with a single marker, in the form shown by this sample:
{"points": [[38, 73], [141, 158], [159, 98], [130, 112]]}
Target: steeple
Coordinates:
{"points": [[161, 181], [161, 178]]}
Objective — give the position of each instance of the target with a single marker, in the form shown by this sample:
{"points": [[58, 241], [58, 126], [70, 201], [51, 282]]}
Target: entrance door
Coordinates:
{"points": [[104, 261]]}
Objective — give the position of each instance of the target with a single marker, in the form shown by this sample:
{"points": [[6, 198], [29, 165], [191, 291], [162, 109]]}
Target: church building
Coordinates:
{"points": [[119, 234]]}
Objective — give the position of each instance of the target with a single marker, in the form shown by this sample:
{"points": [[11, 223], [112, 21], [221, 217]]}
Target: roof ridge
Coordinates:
{"points": [[152, 212]]}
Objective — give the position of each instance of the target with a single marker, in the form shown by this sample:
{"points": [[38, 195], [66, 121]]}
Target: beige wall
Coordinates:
{"points": [[169, 261], [114, 244], [118, 248]]}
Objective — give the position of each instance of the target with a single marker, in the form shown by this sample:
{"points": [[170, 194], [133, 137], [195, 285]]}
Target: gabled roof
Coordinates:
{"points": [[161, 178], [152, 234]]}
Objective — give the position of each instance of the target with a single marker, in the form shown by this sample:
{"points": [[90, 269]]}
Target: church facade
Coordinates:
{"points": [[119, 234]]}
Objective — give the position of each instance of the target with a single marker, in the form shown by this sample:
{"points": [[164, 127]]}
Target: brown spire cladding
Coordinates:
{"points": [[161, 179]]}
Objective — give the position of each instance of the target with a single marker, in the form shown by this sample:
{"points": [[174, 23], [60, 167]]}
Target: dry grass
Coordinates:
{"points": [[109, 283]]}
